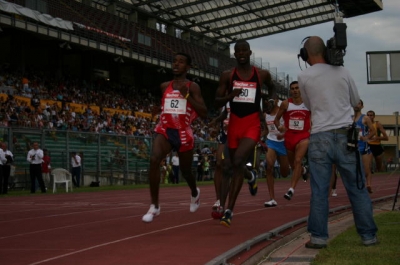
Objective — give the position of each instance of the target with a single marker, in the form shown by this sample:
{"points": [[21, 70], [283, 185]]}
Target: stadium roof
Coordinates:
{"points": [[229, 20]]}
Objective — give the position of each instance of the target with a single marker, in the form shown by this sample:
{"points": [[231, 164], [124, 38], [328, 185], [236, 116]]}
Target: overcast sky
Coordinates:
{"points": [[378, 31]]}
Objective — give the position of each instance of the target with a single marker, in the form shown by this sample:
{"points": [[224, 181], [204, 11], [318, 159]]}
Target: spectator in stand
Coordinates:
{"points": [[206, 150], [200, 168], [206, 169]]}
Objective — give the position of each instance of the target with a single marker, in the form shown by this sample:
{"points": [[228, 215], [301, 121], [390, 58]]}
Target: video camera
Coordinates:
{"points": [[336, 46], [352, 138]]}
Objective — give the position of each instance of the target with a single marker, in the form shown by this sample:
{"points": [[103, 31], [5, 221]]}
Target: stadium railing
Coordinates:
{"points": [[108, 158]]}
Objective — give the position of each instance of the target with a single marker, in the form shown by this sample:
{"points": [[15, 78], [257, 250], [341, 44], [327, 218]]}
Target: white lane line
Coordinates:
{"points": [[117, 241]]}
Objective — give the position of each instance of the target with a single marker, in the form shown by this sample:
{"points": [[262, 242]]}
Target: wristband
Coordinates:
{"points": [[187, 95]]}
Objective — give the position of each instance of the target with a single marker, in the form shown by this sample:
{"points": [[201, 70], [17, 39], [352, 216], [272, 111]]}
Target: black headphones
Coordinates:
{"points": [[303, 51]]}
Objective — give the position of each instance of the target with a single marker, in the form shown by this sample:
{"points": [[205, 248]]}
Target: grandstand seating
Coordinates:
{"points": [[162, 45]]}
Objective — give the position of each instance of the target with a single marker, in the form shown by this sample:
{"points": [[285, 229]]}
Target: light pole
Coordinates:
{"points": [[397, 155], [396, 113]]}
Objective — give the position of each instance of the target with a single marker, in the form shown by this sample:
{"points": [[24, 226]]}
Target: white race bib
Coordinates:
{"points": [[248, 94], [296, 125], [272, 128], [175, 106]]}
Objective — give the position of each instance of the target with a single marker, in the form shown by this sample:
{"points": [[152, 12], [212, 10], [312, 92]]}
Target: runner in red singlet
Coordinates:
{"points": [[297, 133], [181, 103], [241, 86]]}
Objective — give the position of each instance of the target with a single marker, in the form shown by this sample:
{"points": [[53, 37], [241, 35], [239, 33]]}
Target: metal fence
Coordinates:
{"points": [[108, 158]]}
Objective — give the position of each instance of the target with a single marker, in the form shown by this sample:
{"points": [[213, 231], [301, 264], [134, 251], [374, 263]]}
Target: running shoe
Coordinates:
{"points": [[253, 183], [304, 174], [153, 211], [334, 194], [289, 194], [216, 205], [218, 213], [227, 218], [195, 202], [271, 203]]}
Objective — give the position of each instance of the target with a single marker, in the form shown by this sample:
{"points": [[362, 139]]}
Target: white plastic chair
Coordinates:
{"points": [[61, 175]]}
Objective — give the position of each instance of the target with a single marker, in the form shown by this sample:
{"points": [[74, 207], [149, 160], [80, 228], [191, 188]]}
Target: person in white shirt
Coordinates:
{"points": [[6, 167], [76, 169], [175, 168], [35, 158], [3, 160]]}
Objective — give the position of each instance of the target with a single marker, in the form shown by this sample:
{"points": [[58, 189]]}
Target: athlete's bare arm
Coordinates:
{"points": [[222, 116], [371, 133], [383, 136], [263, 124], [281, 111], [265, 129], [265, 77], [196, 99], [221, 95], [164, 86], [267, 80]]}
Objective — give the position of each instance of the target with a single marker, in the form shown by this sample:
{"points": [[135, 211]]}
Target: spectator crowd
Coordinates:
{"points": [[38, 100]]}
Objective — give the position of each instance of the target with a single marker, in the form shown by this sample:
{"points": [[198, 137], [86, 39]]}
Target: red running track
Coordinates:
{"points": [[106, 227]]}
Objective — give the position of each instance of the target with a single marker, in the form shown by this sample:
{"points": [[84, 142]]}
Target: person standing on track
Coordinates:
{"points": [[181, 104], [329, 92], [241, 87], [296, 128]]}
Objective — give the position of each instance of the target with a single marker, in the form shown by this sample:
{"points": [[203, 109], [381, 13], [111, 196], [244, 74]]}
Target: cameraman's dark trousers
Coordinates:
{"points": [[35, 171]]}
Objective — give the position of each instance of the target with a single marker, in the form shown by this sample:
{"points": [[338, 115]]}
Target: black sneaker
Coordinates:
{"points": [[253, 184], [226, 219], [315, 246], [288, 196]]}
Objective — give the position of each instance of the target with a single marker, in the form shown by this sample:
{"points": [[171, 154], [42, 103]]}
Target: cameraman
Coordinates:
{"points": [[329, 92]]}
